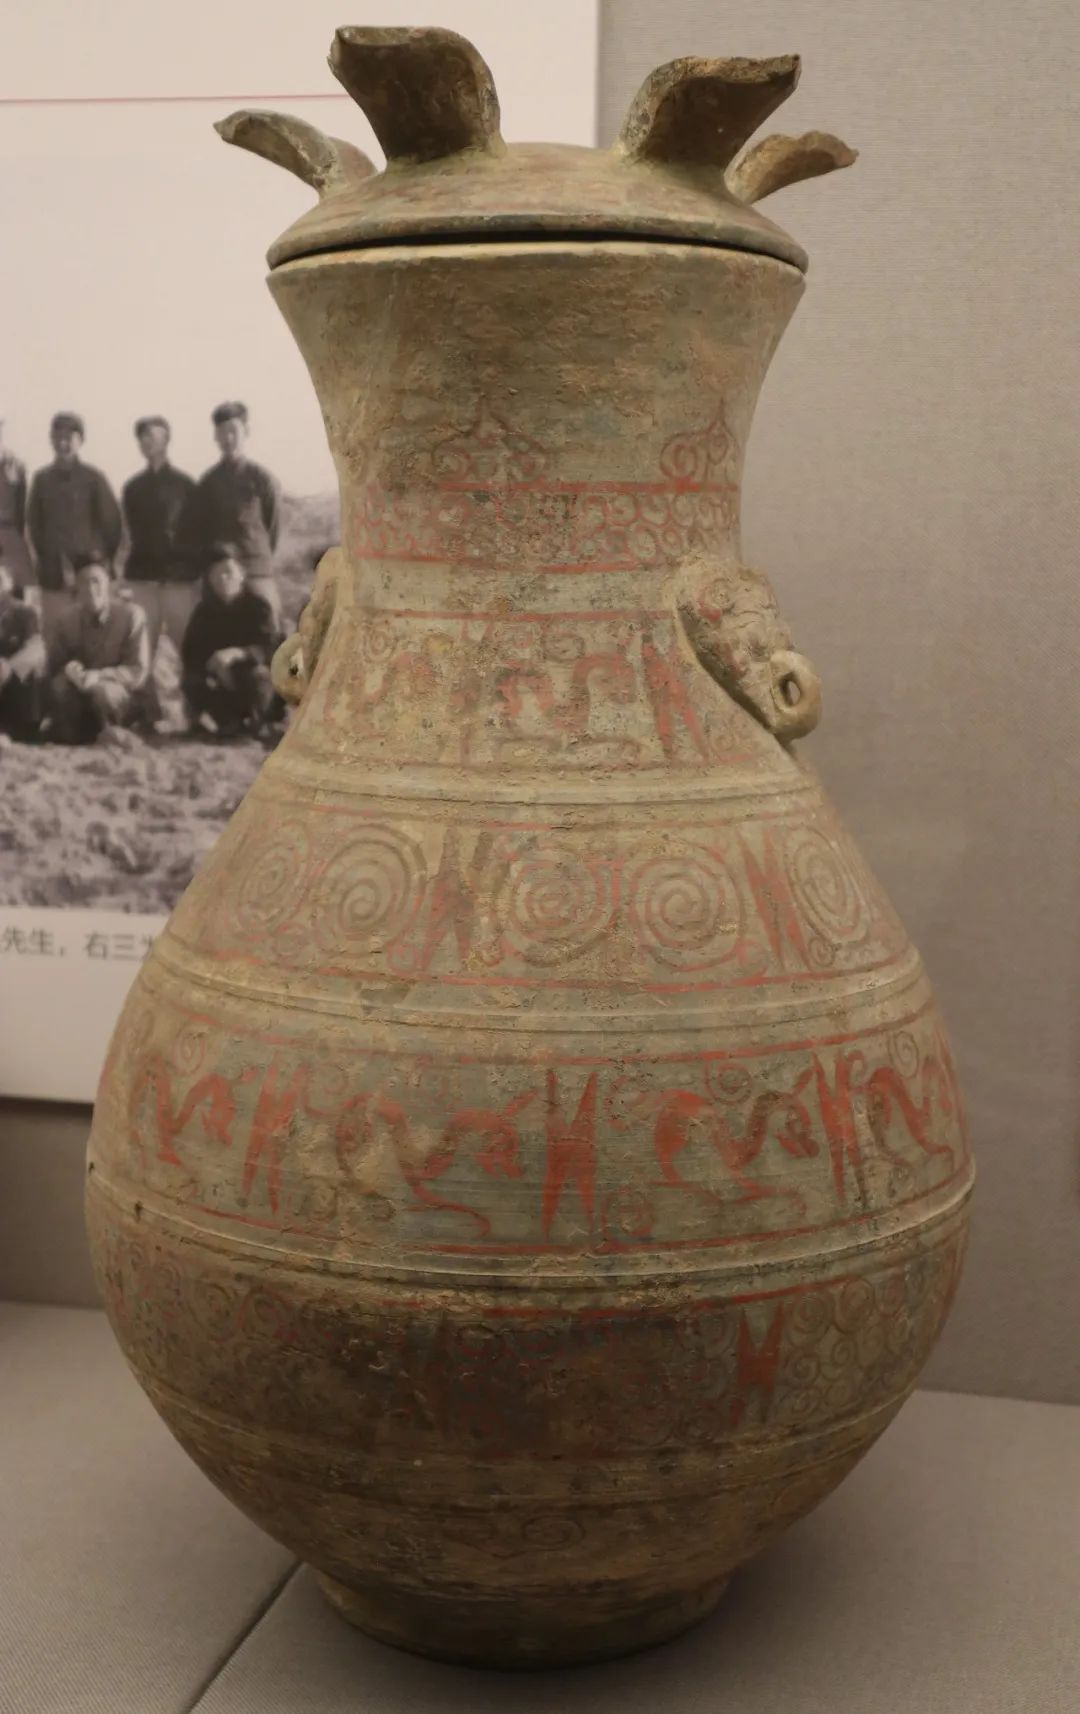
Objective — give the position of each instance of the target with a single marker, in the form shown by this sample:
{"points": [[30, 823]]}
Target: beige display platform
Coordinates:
{"points": [[942, 1578]]}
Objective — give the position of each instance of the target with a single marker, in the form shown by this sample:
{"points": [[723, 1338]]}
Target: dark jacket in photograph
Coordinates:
{"points": [[72, 514], [20, 633], [12, 492], [22, 678], [245, 623], [239, 503], [154, 505]]}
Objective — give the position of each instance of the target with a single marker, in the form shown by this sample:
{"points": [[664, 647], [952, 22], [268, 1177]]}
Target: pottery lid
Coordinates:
{"points": [[449, 175]]}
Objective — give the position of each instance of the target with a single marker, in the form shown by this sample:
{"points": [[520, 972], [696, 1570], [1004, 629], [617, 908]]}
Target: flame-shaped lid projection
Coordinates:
{"points": [[673, 174]]}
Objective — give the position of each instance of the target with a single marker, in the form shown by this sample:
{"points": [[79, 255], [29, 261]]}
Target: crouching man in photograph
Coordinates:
{"points": [[99, 660], [226, 652], [22, 662]]}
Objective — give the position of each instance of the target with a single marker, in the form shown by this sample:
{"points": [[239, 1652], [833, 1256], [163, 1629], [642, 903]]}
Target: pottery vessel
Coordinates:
{"points": [[529, 1171]]}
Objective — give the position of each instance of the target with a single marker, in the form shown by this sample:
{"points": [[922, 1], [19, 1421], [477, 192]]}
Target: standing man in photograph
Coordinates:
{"points": [[13, 546], [162, 575], [239, 502], [99, 659], [72, 515]]}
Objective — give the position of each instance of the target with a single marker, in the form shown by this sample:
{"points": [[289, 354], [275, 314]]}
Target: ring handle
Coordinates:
{"points": [[293, 664], [796, 694], [287, 668], [733, 625]]}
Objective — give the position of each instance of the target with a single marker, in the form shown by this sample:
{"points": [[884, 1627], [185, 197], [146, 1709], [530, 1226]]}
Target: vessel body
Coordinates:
{"points": [[529, 1170]]}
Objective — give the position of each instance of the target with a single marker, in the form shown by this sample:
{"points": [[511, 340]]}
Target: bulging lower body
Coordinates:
{"points": [[522, 1302], [526, 1478]]}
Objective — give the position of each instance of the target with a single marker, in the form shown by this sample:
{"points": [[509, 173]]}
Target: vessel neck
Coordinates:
{"points": [[559, 424]]}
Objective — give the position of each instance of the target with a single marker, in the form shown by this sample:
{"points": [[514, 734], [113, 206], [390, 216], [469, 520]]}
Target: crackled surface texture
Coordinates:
{"points": [[530, 1169]]}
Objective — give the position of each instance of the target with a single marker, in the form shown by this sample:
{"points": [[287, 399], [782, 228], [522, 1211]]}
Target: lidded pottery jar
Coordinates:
{"points": [[529, 1171]]}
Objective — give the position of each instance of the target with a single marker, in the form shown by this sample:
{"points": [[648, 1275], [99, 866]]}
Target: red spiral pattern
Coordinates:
{"points": [[698, 455]]}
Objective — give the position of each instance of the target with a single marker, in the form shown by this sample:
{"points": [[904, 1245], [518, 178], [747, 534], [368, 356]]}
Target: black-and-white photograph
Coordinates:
{"points": [[138, 619], [165, 496], [166, 488]]}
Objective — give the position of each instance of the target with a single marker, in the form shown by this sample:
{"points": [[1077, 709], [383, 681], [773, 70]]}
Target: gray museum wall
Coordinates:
{"points": [[43, 1254], [912, 489]]}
